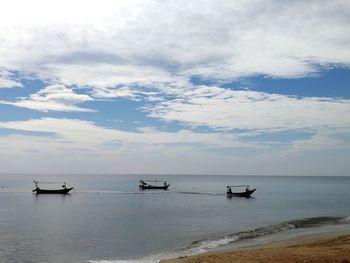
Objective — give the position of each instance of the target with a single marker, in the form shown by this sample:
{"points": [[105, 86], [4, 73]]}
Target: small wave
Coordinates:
{"points": [[197, 193], [123, 261], [148, 259], [346, 219], [111, 192], [205, 245], [316, 221]]}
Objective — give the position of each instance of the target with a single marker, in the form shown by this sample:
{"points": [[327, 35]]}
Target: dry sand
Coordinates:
{"points": [[325, 250]]}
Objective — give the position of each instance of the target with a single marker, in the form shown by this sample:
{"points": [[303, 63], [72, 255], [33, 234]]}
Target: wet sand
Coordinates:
{"points": [[327, 248]]}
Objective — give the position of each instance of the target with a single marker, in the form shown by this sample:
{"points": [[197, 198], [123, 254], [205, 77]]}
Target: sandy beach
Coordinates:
{"points": [[310, 249]]}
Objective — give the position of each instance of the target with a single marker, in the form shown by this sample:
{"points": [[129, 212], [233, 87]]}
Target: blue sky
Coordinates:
{"points": [[207, 87]]}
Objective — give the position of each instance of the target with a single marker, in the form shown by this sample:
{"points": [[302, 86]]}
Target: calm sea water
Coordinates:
{"points": [[107, 218]]}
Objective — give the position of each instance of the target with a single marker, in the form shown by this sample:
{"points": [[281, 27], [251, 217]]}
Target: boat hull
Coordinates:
{"points": [[155, 187], [57, 191], [241, 194]]}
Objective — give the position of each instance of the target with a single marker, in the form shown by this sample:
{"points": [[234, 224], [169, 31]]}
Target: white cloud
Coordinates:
{"points": [[149, 50], [125, 42], [225, 109], [77, 131], [9, 83], [59, 93], [318, 143], [69, 145], [53, 98], [88, 147], [6, 80], [102, 75], [123, 92], [80, 146]]}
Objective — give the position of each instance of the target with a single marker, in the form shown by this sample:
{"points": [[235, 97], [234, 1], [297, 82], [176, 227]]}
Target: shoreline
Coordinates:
{"points": [[311, 248]]}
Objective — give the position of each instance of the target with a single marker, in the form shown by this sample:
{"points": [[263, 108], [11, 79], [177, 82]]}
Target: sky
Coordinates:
{"points": [[175, 87]]}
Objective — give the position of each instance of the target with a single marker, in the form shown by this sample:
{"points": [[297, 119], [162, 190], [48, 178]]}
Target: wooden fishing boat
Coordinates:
{"points": [[64, 189], [160, 185], [240, 193]]}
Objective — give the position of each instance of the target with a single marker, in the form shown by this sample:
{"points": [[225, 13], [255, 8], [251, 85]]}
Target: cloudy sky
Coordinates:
{"points": [[199, 87]]}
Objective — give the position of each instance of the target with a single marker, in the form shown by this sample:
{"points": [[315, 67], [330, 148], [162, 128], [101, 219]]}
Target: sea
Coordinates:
{"points": [[106, 218]]}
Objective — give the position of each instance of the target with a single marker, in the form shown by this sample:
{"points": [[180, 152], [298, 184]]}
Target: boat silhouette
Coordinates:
{"points": [[246, 193], [146, 184], [63, 190]]}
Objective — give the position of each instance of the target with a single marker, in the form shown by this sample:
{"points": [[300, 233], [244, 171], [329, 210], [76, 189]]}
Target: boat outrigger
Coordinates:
{"points": [[146, 184], [247, 193], [64, 189]]}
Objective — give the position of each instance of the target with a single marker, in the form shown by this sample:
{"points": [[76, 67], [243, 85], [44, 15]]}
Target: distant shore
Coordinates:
{"points": [[329, 247]]}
